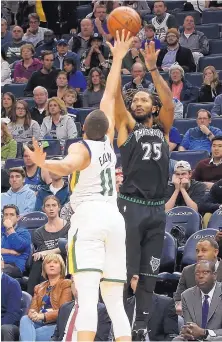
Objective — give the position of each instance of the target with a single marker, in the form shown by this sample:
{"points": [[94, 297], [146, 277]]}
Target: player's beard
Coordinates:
{"points": [[141, 118]]}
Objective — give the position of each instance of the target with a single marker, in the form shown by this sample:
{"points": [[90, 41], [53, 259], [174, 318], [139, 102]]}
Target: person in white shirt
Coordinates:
{"points": [[34, 33]]}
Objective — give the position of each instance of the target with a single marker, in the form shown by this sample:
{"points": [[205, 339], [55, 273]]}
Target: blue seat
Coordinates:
{"points": [[148, 17], [26, 302], [189, 254], [30, 101], [169, 252], [184, 124], [192, 157], [165, 76], [13, 163], [195, 78], [16, 89], [217, 122], [62, 242], [209, 17], [215, 220], [53, 148], [210, 60], [68, 143], [82, 11], [180, 16], [125, 79], [193, 108], [83, 112], [216, 46], [171, 5], [33, 220], [211, 31]]}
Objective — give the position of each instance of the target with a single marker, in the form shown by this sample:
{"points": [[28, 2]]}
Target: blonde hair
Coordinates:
{"points": [[54, 257], [28, 46], [215, 81], [59, 102], [70, 91], [6, 134]]}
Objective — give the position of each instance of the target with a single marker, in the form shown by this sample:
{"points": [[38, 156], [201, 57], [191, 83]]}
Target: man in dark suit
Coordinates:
{"points": [[202, 306], [206, 249]]}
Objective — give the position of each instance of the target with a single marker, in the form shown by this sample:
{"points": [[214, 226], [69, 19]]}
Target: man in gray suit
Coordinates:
{"points": [[202, 306], [206, 249]]}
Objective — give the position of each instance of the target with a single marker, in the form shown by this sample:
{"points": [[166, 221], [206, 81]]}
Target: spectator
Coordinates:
{"points": [[5, 70], [174, 139], [175, 53], [217, 108], [48, 298], [6, 36], [16, 242], [140, 6], [213, 200], [19, 194], [206, 249], [100, 22], [76, 79], [25, 68], [198, 5], [70, 98], [34, 33], [95, 89], [163, 21], [57, 124], [149, 30], [211, 87], [200, 137], [62, 53], [184, 191], [8, 145], [48, 44], [178, 109], [45, 238], [11, 296], [46, 77], [8, 105], [133, 55], [97, 55], [38, 112], [35, 177], [12, 48], [215, 5], [79, 43], [113, 4], [194, 40], [62, 84], [22, 127], [210, 170], [58, 187], [181, 88]]}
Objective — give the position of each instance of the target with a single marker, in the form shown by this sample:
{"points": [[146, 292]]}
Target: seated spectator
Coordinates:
{"points": [[215, 5], [210, 170], [16, 242], [178, 109], [25, 68], [11, 299], [174, 139], [194, 40], [133, 55], [200, 137], [46, 77], [23, 11], [22, 127], [211, 86], [12, 48], [19, 194], [206, 249], [49, 296], [62, 84], [70, 98], [175, 53], [140, 6], [6, 36], [8, 144], [217, 108], [48, 44], [162, 21], [45, 239], [8, 105], [79, 42], [198, 5], [35, 177], [95, 89], [34, 33], [58, 187], [149, 30], [181, 88], [57, 124], [212, 200], [38, 112], [100, 22], [218, 238], [5, 70], [97, 55], [184, 191], [76, 79], [62, 53]]}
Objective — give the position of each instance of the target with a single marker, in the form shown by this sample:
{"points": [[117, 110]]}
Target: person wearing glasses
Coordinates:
{"points": [[34, 33]]}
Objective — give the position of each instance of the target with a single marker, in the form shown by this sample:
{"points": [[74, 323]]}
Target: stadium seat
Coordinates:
{"points": [[193, 108], [83, 10], [68, 143], [13, 163], [209, 17], [211, 31], [184, 124], [16, 89], [83, 112], [148, 17], [171, 5], [26, 302], [220, 74], [33, 220], [53, 148], [217, 122], [169, 252], [195, 78], [126, 79], [189, 254], [180, 16], [62, 245], [192, 157], [30, 101], [210, 60], [215, 220], [216, 46], [165, 75]]}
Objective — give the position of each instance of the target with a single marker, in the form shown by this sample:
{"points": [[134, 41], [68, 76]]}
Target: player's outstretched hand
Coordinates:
{"points": [[150, 55], [37, 156], [121, 45]]}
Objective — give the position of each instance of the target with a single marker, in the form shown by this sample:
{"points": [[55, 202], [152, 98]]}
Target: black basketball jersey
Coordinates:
{"points": [[145, 162]]}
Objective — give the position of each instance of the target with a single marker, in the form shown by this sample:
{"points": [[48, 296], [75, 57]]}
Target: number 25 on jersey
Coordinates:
{"points": [[153, 151]]}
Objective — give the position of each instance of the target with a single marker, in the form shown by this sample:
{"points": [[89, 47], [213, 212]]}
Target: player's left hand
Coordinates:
{"points": [[121, 45], [37, 156], [150, 55]]}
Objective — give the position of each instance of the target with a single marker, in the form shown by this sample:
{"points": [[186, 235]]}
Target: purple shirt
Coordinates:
{"points": [[21, 71]]}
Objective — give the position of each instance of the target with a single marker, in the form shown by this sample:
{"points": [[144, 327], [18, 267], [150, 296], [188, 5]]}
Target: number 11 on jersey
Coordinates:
{"points": [[106, 182]]}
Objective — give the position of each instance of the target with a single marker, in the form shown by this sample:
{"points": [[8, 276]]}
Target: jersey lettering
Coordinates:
{"points": [[105, 158], [149, 148]]}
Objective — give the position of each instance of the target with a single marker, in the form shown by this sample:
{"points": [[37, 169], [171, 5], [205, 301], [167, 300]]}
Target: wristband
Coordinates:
{"points": [[152, 69], [208, 135]]}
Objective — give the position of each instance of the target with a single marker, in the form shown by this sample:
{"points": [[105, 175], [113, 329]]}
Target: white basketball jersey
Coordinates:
{"points": [[161, 28], [97, 182]]}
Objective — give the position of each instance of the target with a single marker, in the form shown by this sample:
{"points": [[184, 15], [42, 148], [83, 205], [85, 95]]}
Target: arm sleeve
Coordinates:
{"points": [[6, 71], [29, 204], [170, 322], [181, 287], [186, 140], [217, 108], [198, 193], [208, 204], [20, 241], [71, 129], [85, 99], [43, 130], [204, 45], [13, 313], [12, 149], [36, 130], [186, 314], [28, 91], [174, 136]]}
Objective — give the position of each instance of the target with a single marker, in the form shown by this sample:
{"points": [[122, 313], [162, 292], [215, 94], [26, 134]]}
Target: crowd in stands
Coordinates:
{"points": [[54, 65]]}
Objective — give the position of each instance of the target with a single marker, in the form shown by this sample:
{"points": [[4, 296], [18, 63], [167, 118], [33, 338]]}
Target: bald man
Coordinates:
{"points": [[79, 43], [13, 47]]}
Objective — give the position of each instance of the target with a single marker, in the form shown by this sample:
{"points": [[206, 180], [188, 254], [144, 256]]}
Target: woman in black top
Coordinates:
{"points": [[211, 86]]}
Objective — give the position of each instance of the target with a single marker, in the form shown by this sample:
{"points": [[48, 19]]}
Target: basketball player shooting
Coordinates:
{"points": [[96, 241]]}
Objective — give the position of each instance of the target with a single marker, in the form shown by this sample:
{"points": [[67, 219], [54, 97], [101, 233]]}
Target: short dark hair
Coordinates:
{"points": [[160, 1], [206, 111], [30, 146], [211, 240], [150, 26], [96, 125], [218, 137], [71, 61], [11, 206], [47, 53], [210, 263], [19, 170], [34, 15]]}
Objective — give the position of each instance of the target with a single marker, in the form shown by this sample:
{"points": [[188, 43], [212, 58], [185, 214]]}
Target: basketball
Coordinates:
{"points": [[124, 18]]}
